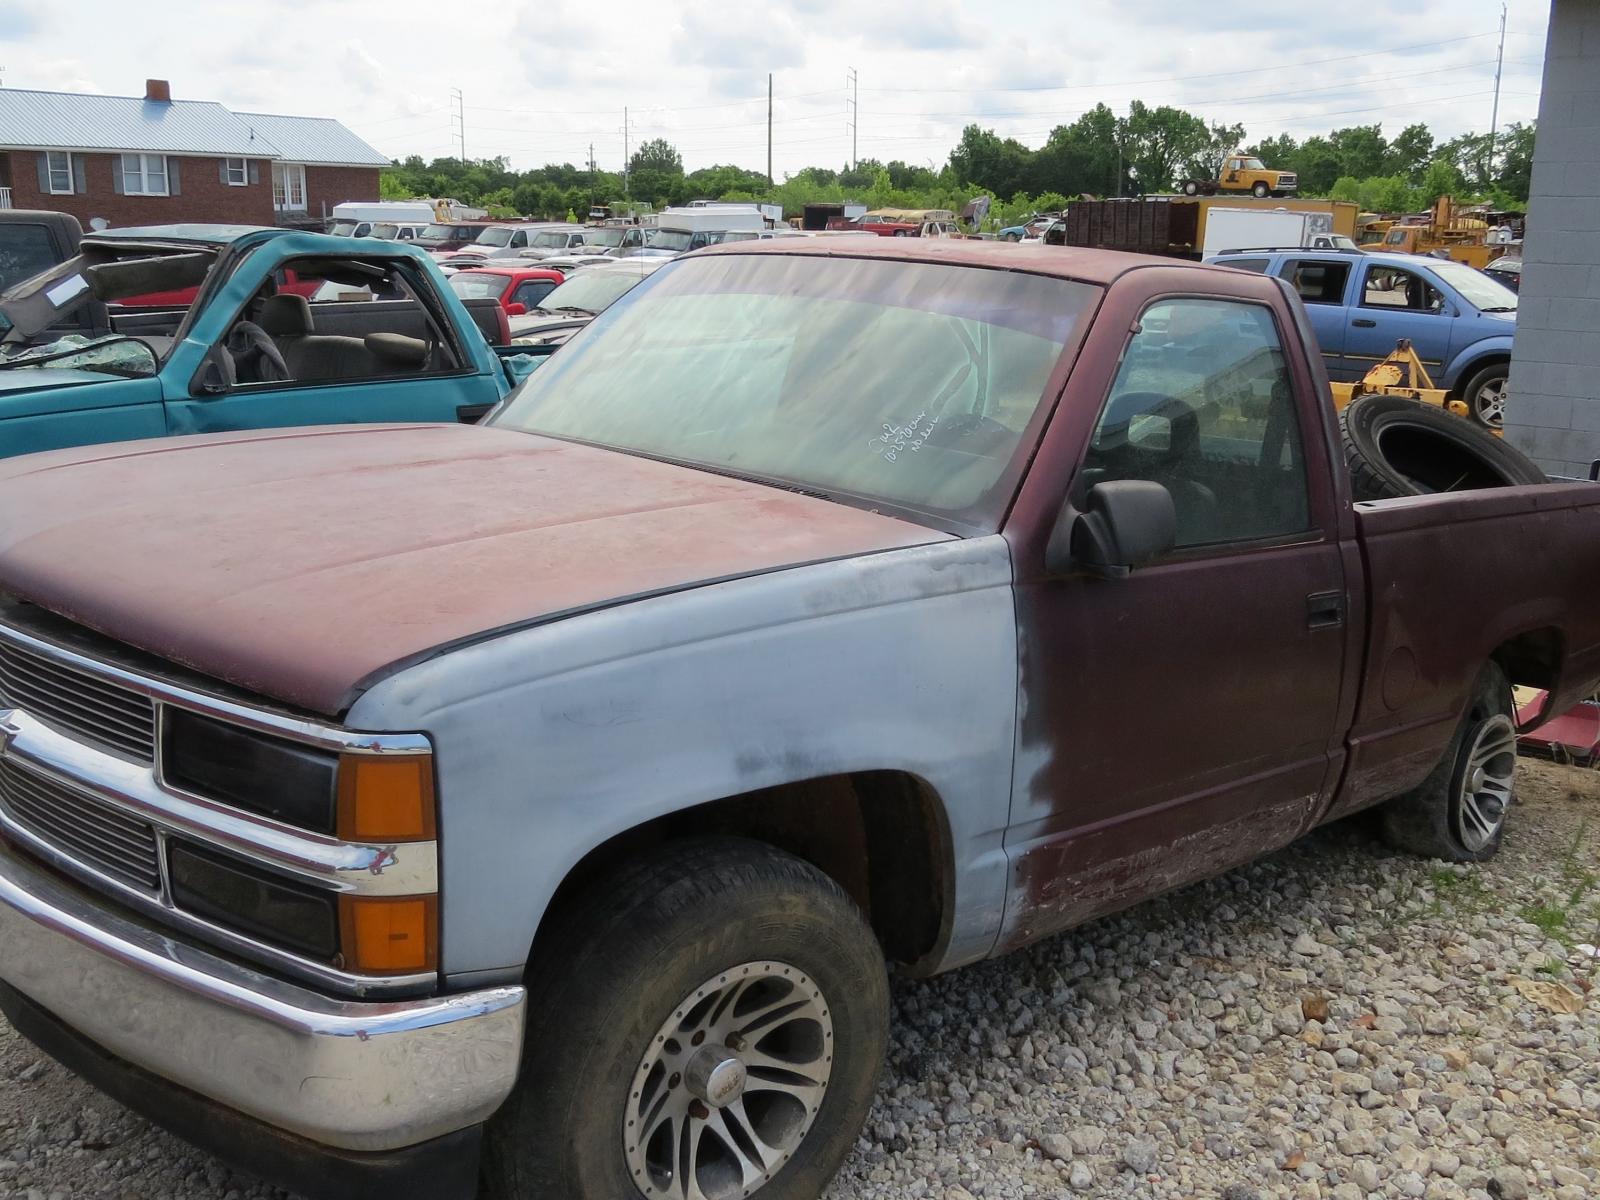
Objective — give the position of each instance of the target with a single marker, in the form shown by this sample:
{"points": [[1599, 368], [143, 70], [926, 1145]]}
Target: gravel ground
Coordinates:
{"points": [[1334, 1022]]}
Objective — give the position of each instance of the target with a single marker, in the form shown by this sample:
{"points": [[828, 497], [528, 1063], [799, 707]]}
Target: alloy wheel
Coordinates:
{"points": [[730, 1085], [1490, 403], [1485, 789]]}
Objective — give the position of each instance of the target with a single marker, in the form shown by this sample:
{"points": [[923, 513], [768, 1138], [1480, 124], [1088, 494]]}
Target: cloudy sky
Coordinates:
{"points": [[540, 81]]}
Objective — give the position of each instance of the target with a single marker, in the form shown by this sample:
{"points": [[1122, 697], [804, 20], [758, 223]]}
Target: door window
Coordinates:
{"points": [[342, 320], [1399, 288], [1203, 405], [1318, 282]]}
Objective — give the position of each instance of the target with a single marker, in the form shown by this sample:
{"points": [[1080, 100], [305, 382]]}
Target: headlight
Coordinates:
{"points": [[254, 902], [256, 772]]}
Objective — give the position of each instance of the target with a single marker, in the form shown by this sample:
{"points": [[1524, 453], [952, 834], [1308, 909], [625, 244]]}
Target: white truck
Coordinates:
{"points": [[1254, 228], [679, 230]]}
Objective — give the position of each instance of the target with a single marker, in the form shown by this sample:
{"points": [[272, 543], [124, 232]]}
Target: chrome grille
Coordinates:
{"points": [[77, 702], [94, 833]]}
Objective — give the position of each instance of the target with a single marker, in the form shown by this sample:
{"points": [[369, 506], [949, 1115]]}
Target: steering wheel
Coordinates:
{"points": [[256, 357]]}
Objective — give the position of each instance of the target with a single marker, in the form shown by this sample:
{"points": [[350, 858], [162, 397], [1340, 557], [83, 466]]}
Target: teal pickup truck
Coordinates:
{"points": [[241, 328]]}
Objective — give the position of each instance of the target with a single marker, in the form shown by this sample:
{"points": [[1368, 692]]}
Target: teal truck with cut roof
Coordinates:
{"points": [[379, 337]]}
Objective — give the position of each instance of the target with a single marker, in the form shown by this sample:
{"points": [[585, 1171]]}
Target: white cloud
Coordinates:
{"points": [[542, 79]]}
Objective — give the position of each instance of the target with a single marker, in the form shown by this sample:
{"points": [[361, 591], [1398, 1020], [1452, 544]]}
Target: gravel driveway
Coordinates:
{"points": [[1333, 1022]]}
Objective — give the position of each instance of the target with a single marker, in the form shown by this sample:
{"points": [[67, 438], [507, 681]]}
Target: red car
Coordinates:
{"points": [[288, 284], [517, 288]]}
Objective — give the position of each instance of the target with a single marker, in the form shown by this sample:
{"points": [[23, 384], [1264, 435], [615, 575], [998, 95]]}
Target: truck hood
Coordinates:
{"points": [[304, 564]]}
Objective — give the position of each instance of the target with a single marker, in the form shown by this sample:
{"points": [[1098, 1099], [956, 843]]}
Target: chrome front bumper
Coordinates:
{"points": [[354, 1076]]}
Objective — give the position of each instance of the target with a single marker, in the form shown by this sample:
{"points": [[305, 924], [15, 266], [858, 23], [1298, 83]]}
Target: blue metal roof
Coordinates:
{"points": [[70, 121], [108, 124], [315, 141]]}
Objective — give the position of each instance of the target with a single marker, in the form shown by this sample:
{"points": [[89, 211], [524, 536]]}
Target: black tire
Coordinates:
{"points": [[636, 944], [1484, 394], [1437, 819], [1260, 191], [1191, 188], [1396, 446]]}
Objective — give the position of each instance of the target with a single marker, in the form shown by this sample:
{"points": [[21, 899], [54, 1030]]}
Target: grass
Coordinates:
{"points": [[1552, 922]]}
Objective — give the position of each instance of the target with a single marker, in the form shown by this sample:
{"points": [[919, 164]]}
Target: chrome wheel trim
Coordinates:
{"points": [[730, 1085], [1490, 402], [1484, 793]]}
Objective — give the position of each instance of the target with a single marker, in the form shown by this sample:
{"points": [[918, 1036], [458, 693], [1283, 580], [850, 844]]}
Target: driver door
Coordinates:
{"points": [[1394, 302], [338, 373]]}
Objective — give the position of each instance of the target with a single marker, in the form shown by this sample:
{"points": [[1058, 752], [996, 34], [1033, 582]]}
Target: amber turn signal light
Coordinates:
{"points": [[387, 936], [386, 798]]}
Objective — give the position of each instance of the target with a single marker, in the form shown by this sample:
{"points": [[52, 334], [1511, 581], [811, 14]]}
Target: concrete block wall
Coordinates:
{"points": [[1553, 410]]}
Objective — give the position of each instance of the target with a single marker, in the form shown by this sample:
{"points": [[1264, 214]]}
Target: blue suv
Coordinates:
{"points": [[1459, 320]]}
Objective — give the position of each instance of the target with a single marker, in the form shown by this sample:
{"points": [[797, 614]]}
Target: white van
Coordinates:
{"points": [[355, 218], [679, 230]]}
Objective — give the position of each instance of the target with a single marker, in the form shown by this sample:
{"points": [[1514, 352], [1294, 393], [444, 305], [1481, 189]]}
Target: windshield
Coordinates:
{"points": [[1476, 288], [477, 285], [553, 239], [387, 230], [911, 383], [343, 228], [439, 233], [676, 240], [591, 291], [603, 237], [494, 237], [1252, 164], [112, 354]]}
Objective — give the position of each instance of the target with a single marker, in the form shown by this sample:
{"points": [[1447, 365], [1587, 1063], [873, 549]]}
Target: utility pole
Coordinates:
{"points": [[1494, 116], [459, 113], [854, 81], [625, 154], [769, 128]]}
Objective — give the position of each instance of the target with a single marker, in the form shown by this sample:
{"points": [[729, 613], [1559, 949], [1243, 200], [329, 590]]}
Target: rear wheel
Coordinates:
{"points": [[709, 1026], [1485, 395], [1459, 811], [1191, 188]]}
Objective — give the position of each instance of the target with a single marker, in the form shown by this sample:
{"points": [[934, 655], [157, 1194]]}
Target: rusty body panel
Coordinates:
{"points": [[1183, 720], [385, 543]]}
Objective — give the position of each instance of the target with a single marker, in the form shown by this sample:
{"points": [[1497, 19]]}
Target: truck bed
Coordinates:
{"points": [[1454, 580]]}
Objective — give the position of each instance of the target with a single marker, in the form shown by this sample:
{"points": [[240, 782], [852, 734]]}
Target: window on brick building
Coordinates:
{"points": [[144, 174], [60, 169], [236, 172]]}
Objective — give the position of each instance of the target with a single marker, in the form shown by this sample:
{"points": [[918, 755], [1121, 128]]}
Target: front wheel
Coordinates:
{"points": [[1485, 395], [1459, 812], [710, 1025], [1261, 191]]}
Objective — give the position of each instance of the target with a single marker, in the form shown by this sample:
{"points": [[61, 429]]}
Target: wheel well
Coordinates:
{"points": [[1498, 358], [1531, 659], [880, 835]]}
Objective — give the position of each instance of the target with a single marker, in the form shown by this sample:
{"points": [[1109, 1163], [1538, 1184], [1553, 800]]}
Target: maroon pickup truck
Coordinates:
{"points": [[536, 805]]}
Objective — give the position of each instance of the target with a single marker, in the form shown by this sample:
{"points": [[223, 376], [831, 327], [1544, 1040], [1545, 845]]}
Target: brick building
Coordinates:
{"points": [[125, 160]]}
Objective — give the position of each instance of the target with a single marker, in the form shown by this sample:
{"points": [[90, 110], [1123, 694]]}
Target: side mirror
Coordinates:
{"points": [[1127, 523], [516, 310]]}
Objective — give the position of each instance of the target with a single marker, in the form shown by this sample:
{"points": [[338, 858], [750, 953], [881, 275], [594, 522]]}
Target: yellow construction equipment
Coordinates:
{"points": [[1401, 374]]}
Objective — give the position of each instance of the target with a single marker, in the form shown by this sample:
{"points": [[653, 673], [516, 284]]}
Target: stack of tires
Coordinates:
{"points": [[1395, 446]]}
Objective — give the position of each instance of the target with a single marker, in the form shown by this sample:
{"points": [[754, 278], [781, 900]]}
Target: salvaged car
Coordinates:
{"points": [[401, 810], [583, 297], [245, 345]]}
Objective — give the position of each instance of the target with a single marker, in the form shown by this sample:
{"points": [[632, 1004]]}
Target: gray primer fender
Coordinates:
{"points": [[554, 739]]}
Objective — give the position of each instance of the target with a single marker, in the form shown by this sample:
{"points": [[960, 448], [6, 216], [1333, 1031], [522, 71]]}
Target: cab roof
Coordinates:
{"points": [[1064, 262]]}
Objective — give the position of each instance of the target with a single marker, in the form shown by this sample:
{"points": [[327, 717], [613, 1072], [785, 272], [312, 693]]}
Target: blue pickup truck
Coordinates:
{"points": [[249, 329], [1459, 320]]}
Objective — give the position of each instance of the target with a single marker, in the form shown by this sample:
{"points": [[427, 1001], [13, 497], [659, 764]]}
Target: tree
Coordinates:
{"points": [[1207, 162], [983, 158], [658, 154], [1346, 187], [1387, 194], [1411, 152], [1278, 152], [1360, 149], [1158, 141], [1442, 178]]}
